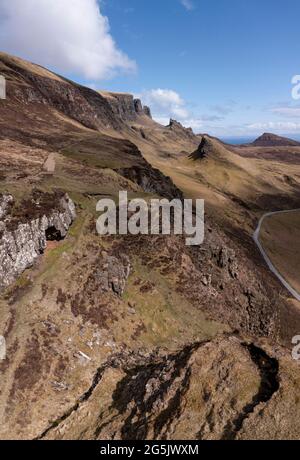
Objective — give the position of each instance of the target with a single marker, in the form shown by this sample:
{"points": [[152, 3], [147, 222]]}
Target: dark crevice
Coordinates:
{"points": [[83, 398], [268, 368], [131, 392], [52, 234]]}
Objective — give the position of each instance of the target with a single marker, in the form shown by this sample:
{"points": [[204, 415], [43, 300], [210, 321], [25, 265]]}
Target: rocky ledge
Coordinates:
{"points": [[25, 229], [125, 106]]}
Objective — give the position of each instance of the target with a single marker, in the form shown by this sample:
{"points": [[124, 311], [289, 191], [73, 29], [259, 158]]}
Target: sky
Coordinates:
{"points": [[224, 67]]}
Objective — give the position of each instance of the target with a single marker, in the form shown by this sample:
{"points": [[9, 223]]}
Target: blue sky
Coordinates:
{"points": [[222, 66], [228, 59]]}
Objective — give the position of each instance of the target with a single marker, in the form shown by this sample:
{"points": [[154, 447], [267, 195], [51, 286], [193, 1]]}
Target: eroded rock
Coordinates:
{"points": [[26, 229]]}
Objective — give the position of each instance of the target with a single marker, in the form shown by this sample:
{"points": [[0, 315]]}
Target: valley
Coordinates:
{"points": [[139, 337], [279, 235]]}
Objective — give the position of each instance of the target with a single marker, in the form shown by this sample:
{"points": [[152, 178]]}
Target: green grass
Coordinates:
{"points": [[168, 317]]}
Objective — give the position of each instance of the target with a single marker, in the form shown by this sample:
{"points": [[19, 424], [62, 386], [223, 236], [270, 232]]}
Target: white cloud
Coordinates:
{"points": [[196, 124], [290, 112], [165, 103], [188, 4], [224, 109], [281, 126], [70, 36]]}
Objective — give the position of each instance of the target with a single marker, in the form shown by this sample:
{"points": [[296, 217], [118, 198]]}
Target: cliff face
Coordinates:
{"points": [[126, 107], [33, 85], [147, 111], [151, 180], [23, 240]]}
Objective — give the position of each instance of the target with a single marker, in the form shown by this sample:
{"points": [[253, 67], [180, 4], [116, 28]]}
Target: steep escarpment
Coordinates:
{"points": [[125, 106], [31, 84], [26, 228], [152, 180]]}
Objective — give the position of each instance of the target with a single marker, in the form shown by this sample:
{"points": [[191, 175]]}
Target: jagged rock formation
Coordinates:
{"points": [[272, 140], [201, 151], [142, 110], [138, 106], [125, 106], [178, 129], [24, 231], [147, 111], [212, 148]]}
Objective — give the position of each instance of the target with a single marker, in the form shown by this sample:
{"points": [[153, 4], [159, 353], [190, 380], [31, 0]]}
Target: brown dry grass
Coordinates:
{"points": [[280, 235]]}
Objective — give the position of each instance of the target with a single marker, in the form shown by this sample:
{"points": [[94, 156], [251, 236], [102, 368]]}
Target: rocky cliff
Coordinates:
{"points": [[29, 84], [125, 106], [26, 228]]}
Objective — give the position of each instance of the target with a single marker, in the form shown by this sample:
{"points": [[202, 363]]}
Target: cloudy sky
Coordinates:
{"points": [[221, 66]]}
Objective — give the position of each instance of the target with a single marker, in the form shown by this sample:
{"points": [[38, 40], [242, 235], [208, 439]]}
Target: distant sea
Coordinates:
{"points": [[238, 140], [248, 140]]}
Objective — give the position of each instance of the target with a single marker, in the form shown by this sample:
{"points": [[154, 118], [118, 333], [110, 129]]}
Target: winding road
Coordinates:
{"points": [[266, 257]]}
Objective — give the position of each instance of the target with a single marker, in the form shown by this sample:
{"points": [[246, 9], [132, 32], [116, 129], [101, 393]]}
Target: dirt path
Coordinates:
{"points": [[266, 257]]}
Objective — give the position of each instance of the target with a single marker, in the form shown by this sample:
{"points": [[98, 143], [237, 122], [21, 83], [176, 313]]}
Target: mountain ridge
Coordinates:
{"points": [[92, 318]]}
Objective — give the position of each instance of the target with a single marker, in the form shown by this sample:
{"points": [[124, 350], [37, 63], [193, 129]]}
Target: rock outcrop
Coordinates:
{"points": [[138, 106], [178, 128], [111, 273], [152, 180], [125, 106], [201, 151], [147, 111], [24, 231], [5, 202], [142, 110]]}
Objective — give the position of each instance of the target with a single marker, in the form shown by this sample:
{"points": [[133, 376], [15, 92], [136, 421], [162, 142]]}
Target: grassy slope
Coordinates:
{"points": [[160, 317], [280, 236], [237, 190]]}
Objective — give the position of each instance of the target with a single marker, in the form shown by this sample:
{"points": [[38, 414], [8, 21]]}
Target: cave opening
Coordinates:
{"points": [[52, 234]]}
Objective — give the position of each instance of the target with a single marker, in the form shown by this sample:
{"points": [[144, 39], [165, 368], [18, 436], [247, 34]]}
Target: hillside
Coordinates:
{"points": [[237, 188], [272, 140], [134, 337], [126, 107]]}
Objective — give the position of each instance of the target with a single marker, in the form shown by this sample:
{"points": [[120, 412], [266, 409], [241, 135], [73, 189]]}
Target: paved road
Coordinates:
{"points": [[266, 257]]}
